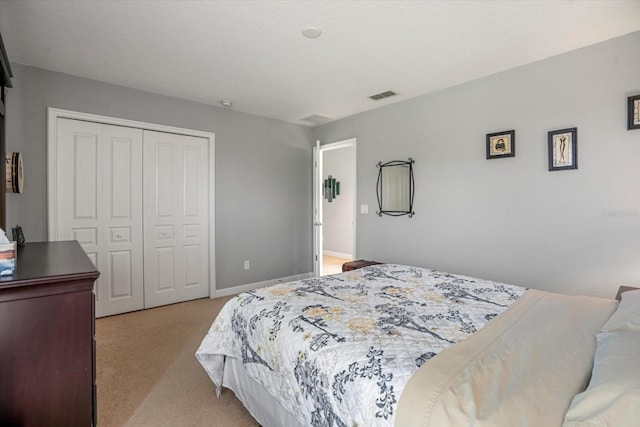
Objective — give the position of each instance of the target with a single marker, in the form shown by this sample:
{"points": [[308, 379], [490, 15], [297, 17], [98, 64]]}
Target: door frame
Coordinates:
{"points": [[53, 114], [318, 151]]}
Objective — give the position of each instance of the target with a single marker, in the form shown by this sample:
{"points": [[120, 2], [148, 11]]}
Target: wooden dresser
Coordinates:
{"points": [[47, 347]]}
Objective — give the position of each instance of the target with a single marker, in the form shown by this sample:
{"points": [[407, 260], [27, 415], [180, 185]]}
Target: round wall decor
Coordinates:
{"points": [[14, 173]]}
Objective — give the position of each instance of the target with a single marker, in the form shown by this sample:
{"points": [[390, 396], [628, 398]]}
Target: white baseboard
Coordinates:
{"points": [[338, 254], [251, 286]]}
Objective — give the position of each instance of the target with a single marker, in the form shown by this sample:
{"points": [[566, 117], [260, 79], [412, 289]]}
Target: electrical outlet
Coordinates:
{"points": [[364, 209], [246, 265]]}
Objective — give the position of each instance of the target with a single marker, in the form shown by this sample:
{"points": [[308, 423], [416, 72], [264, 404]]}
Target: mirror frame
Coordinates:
{"points": [[412, 187]]}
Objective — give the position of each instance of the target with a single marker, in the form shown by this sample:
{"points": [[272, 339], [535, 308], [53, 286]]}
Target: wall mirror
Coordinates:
{"points": [[395, 188]]}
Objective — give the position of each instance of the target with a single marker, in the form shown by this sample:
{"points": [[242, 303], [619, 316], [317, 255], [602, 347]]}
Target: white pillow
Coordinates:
{"points": [[613, 396], [627, 315]]}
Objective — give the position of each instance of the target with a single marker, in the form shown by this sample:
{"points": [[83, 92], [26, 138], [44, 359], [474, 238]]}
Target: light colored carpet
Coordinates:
{"points": [[147, 374], [332, 264]]}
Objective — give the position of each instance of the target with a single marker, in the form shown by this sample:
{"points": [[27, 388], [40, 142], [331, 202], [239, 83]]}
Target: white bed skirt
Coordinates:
{"points": [[260, 404]]}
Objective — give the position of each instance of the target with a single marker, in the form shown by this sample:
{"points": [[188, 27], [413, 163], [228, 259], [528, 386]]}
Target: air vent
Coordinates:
{"points": [[316, 119], [382, 95]]}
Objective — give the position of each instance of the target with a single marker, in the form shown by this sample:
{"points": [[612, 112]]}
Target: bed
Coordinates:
{"points": [[399, 345]]}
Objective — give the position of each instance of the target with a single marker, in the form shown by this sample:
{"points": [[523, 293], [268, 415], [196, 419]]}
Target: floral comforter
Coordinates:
{"points": [[338, 350]]}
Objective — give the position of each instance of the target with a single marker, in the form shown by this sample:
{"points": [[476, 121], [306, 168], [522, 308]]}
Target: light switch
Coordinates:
{"points": [[364, 209]]}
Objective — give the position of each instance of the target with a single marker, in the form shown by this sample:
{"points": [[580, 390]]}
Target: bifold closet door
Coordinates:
{"points": [[176, 211], [99, 203]]}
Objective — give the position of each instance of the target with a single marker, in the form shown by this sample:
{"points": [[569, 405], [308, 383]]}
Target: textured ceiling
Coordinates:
{"points": [[253, 52]]}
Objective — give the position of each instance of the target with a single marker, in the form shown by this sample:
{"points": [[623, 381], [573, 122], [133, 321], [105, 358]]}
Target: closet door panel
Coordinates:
{"points": [[165, 263], [161, 192], [191, 168], [78, 202], [79, 176], [195, 217], [85, 176], [121, 192], [120, 275], [98, 203], [163, 180], [122, 225], [176, 218]]}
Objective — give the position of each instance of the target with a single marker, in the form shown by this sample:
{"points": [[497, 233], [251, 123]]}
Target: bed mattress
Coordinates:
{"points": [[339, 350]]}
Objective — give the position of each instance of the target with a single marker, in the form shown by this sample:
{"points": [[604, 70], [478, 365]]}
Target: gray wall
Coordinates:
{"points": [[262, 170], [337, 216], [511, 219]]}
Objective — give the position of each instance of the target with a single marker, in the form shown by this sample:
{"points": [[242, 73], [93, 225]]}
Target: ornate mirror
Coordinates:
{"points": [[395, 188]]}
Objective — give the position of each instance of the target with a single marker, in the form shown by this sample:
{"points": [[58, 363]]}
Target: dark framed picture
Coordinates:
{"points": [[563, 149], [501, 144], [633, 112]]}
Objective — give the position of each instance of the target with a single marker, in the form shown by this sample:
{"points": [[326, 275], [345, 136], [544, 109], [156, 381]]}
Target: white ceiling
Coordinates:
{"points": [[253, 52]]}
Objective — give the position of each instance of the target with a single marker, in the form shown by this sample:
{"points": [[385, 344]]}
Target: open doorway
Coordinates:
{"points": [[335, 206]]}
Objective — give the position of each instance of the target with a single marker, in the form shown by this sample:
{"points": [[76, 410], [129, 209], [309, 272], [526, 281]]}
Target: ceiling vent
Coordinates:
{"points": [[316, 119], [382, 95]]}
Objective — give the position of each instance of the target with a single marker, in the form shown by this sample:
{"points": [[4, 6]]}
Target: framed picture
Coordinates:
{"points": [[501, 144], [563, 149], [633, 112]]}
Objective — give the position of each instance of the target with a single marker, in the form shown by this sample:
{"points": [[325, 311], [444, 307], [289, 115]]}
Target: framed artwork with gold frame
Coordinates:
{"points": [[563, 149], [501, 144]]}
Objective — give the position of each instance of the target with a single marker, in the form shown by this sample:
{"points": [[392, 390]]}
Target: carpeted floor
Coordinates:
{"points": [[147, 374], [332, 264]]}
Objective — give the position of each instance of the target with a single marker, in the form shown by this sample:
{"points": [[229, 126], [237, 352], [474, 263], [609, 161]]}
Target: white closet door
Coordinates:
{"points": [[122, 219], [98, 203], [79, 183], [176, 214]]}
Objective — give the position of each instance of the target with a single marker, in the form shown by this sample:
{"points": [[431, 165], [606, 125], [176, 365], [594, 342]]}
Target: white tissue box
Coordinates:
{"points": [[7, 258]]}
